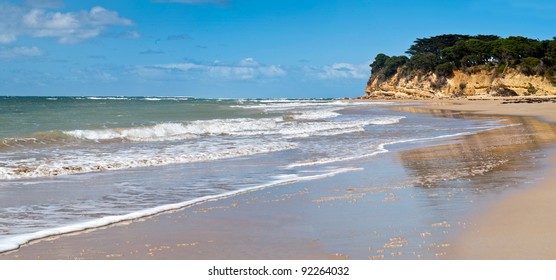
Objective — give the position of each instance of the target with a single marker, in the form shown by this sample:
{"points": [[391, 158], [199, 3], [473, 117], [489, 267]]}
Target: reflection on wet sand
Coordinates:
{"points": [[507, 149]]}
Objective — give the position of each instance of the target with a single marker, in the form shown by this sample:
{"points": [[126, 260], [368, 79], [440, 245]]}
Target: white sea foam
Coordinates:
{"points": [[14, 242], [229, 138], [106, 98], [282, 100], [381, 148], [159, 132], [315, 115], [157, 98], [162, 98], [84, 162], [241, 127], [278, 106]]}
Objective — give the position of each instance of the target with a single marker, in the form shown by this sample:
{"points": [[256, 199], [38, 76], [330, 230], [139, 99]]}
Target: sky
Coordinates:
{"points": [[231, 48]]}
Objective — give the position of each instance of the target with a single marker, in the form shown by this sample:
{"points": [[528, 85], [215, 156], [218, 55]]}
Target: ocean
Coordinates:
{"points": [[72, 163]]}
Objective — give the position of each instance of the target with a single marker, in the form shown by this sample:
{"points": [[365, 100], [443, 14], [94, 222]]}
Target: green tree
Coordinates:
{"points": [[531, 66], [513, 49], [392, 64], [378, 63], [424, 62], [549, 58], [445, 53], [435, 44], [445, 69]]}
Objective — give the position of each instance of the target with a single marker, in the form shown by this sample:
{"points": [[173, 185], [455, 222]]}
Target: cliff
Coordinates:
{"points": [[457, 65], [461, 84]]}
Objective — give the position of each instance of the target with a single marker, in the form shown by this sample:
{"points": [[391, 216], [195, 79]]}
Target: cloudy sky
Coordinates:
{"points": [[231, 48]]}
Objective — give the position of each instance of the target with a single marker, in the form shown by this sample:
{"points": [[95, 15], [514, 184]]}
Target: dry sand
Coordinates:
{"points": [[267, 224], [545, 111]]}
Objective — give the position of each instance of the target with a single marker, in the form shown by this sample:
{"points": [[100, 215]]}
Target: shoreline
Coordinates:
{"points": [[295, 243], [519, 226], [502, 106]]}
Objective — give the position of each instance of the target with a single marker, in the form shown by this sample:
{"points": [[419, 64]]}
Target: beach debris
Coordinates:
{"points": [[339, 256], [157, 249], [340, 197], [425, 234], [396, 242], [187, 244], [376, 257], [441, 224], [208, 209], [290, 195], [390, 197], [529, 100], [374, 190]]}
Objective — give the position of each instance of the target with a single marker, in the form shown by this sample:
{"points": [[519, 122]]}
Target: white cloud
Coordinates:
{"points": [[249, 62], [7, 38], [246, 69], [10, 17], [20, 52], [104, 73], [341, 71], [70, 27]]}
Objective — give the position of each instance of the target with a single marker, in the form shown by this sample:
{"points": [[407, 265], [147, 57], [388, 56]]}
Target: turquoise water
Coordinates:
{"points": [[69, 163], [23, 116]]}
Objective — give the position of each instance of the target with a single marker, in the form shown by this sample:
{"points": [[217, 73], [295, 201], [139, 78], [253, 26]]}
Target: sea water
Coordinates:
{"points": [[71, 163]]}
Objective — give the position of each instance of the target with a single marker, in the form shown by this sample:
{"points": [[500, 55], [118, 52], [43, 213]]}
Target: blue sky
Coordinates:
{"points": [[231, 48]]}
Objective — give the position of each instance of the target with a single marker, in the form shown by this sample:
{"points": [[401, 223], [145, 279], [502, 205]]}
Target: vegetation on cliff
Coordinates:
{"points": [[444, 54]]}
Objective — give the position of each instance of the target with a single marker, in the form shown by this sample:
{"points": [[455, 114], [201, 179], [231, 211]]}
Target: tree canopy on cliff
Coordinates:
{"points": [[445, 53]]}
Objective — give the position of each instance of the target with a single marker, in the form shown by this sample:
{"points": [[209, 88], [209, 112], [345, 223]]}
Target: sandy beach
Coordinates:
{"points": [[323, 219], [521, 226], [307, 133]]}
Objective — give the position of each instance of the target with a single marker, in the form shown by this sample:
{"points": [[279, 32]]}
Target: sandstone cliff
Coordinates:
{"points": [[462, 84]]}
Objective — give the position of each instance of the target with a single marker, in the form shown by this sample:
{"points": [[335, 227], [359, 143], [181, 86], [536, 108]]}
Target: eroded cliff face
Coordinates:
{"points": [[462, 84]]}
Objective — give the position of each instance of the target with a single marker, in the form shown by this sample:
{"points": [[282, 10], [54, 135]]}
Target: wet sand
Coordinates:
{"points": [[523, 225], [357, 216]]}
